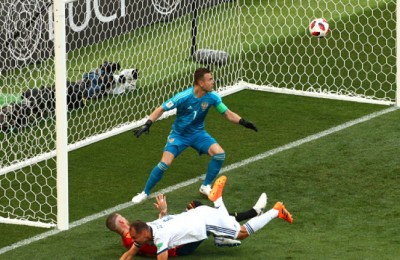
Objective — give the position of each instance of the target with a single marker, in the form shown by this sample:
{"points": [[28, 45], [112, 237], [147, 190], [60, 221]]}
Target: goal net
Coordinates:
{"points": [[356, 61], [125, 57]]}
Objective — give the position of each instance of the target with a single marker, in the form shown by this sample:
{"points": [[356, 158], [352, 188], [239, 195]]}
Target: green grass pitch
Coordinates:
{"points": [[342, 189]]}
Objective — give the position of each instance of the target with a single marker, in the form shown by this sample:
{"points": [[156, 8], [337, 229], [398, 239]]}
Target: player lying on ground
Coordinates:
{"points": [[195, 225], [192, 106], [119, 224]]}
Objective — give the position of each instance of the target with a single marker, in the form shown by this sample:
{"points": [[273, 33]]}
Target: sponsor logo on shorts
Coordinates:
{"points": [[171, 140]]}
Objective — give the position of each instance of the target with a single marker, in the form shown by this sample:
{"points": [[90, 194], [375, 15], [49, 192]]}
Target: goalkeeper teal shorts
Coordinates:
{"points": [[200, 141]]}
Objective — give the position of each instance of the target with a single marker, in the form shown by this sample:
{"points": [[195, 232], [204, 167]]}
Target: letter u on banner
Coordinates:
{"points": [[73, 26]]}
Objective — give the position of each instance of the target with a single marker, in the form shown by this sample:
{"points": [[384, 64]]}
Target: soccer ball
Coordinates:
{"points": [[319, 27], [125, 81]]}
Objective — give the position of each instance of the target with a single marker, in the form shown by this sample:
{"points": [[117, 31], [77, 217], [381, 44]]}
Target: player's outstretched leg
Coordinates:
{"points": [[255, 211], [256, 223], [218, 187], [216, 195], [261, 203], [283, 212]]}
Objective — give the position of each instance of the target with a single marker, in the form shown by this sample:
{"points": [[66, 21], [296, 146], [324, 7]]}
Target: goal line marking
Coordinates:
{"points": [[196, 179]]}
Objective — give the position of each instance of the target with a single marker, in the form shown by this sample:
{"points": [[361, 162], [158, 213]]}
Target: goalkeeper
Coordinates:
{"points": [[192, 107]]}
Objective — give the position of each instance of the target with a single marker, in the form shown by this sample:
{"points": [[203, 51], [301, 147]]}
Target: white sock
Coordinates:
{"points": [[256, 223], [219, 204]]}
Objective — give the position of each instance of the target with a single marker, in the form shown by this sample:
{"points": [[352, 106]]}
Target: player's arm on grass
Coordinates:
{"points": [[163, 255], [130, 253], [161, 205], [152, 118], [235, 118]]}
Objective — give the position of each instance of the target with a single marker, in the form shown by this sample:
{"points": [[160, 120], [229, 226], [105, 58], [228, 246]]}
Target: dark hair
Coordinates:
{"points": [[139, 226], [199, 74], [193, 204]]}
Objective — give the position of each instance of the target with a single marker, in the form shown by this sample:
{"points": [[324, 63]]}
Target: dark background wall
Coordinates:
{"points": [[26, 33]]}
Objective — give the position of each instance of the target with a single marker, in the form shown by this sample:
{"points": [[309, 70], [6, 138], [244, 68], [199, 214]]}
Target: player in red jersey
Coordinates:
{"points": [[119, 224]]}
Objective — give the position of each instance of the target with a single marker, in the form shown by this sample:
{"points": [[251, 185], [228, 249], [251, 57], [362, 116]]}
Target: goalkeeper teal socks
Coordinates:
{"points": [[214, 167], [155, 176]]}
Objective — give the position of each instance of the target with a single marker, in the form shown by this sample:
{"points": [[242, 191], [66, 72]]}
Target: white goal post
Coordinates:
{"points": [[74, 72]]}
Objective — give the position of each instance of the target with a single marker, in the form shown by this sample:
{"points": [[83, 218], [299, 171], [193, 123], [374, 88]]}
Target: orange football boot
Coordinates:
{"points": [[218, 187], [283, 212]]}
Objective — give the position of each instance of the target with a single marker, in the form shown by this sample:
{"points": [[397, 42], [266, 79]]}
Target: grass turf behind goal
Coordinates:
{"points": [[341, 189], [271, 55]]}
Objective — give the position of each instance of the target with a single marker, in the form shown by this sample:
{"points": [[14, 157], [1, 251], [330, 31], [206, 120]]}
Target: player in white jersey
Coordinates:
{"points": [[195, 225], [120, 225]]}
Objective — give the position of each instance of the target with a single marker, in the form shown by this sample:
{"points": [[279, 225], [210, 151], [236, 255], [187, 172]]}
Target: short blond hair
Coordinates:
{"points": [[111, 221]]}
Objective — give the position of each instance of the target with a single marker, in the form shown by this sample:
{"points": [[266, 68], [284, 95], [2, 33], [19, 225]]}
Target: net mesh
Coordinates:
{"points": [[126, 57]]}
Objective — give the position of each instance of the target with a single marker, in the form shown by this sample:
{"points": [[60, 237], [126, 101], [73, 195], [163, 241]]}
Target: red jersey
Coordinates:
{"points": [[145, 249]]}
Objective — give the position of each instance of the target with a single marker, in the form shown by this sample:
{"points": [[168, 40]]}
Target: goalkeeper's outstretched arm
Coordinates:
{"points": [[156, 114], [235, 118]]}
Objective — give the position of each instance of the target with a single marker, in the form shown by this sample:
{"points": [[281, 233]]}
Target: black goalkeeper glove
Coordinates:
{"points": [[143, 129], [248, 124]]}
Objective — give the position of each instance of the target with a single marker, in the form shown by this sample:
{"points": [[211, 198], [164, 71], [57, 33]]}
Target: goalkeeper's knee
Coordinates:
{"points": [[219, 157]]}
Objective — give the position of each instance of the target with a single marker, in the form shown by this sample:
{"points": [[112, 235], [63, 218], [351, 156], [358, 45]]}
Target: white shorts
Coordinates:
{"points": [[219, 222]]}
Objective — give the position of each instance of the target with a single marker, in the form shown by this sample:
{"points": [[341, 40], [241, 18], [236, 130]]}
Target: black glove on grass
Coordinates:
{"points": [[248, 124], [143, 129]]}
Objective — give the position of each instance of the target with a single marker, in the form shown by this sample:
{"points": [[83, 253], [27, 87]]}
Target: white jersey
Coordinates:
{"points": [[193, 225]]}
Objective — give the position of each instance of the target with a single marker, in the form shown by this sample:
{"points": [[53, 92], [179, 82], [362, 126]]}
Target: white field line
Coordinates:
{"points": [[196, 179]]}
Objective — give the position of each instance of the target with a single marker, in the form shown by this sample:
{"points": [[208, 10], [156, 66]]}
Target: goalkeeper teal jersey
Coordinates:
{"points": [[191, 110]]}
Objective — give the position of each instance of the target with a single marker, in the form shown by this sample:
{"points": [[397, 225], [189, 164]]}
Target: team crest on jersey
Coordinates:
{"points": [[170, 104], [204, 105]]}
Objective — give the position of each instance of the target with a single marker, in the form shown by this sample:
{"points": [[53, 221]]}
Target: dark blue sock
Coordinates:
{"points": [[214, 167], [155, 176]]}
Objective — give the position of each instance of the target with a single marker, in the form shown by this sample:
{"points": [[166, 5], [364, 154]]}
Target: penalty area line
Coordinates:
{"points": [[201, 177]]}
